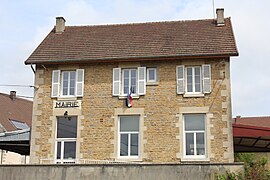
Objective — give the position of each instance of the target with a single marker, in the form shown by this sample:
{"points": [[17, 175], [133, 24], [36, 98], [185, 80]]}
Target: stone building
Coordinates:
{"points": [[175, 75]]}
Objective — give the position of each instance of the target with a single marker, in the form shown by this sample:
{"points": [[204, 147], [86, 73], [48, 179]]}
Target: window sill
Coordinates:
{"points": [[125, 97], [151, 83], [195, 160], [193, 95], [66, 98], [129, 159]]}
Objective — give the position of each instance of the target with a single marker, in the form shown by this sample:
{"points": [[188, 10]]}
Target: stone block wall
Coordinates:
{"points": [[160, 110]]}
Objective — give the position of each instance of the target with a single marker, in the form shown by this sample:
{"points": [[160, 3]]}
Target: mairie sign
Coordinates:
{"points": [[66, 104]]}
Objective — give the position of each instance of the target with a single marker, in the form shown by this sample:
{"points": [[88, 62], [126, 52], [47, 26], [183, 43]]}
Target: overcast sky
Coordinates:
{"points": [[25, 23]]}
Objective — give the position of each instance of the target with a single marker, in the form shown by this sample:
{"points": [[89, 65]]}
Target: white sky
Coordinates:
{"points": [[25, 23]]}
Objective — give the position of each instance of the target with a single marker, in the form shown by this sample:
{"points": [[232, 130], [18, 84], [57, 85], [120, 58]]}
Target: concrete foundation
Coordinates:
{"points": [[117, 171]]}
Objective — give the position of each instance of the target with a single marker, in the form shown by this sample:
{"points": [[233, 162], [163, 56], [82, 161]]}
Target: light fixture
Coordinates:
{"points": [[66, 115]]}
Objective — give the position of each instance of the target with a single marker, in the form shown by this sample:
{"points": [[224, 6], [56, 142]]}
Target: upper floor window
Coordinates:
{"points": [[129, 80], [151, 75], [193, 83], [193, 79], [67, 83]]}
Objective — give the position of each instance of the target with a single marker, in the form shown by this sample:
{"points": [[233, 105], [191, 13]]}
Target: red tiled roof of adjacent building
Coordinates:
{"points": [[171, 39], [263, 121], [16, 109]]}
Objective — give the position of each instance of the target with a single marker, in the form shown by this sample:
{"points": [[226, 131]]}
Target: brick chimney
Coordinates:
{"points": [[60, 25], [220, 17], [12, 95]]}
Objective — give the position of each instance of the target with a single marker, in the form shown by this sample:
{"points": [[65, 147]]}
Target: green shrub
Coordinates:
{"points": [[254, 168]]}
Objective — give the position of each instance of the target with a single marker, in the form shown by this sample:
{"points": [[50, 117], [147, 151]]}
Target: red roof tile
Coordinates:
{"points": [[196, 38], [253, 121], [18, 109]]}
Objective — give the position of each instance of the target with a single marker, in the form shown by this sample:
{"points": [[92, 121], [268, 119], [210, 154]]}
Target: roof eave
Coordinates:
{"points": [[137, 58]]}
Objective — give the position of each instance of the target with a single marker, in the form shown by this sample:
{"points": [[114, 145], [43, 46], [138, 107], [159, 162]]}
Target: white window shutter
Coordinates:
{"points": [[180, 79], [55, 83], [206, 72], [141, 80], [79, 82], [116, 81]]}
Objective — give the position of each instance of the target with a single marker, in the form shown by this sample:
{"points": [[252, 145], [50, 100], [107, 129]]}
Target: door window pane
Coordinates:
{"points": [[123, 144], [69, 150], [194, 122], [134, 144], [189, 144], [200, 145], [129, 123], [67, 127], [58, 150]]}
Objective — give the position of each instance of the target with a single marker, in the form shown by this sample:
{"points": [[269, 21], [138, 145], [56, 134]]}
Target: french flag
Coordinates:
{"points": [[129, 101]]}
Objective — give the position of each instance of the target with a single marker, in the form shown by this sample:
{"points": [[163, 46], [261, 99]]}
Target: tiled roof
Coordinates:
{"points": [[195, 38], [18, 109], [263, 121]]}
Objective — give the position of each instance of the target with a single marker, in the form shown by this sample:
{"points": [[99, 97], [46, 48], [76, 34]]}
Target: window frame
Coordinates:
{"points": [[62, 84], [63, 141], [194, 132], [155, 75], [193, 80], [122, 79], [129, 137]]}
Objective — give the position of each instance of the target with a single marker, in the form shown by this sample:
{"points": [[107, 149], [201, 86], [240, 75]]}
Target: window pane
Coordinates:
{"points": [[194, 122], [197, 71], [197, 88], [126, 74], [129, 123], [123, 144], [134, 145], [65, 76], [58, 150], [133, 73], [189, 144], [200, 146], [69, 150], [152, 74], [67, 127], [189, 88], [189, 79], [72, 91], [134, 89], [126, 90], [189, 71], [73, 75]]}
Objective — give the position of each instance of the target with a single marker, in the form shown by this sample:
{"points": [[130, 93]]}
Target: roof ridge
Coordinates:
{"points": [[254, 117], [142, 23], [17, 97]]}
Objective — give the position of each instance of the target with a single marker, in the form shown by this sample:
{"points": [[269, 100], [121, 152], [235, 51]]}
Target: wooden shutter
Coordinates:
{"points": [[79, 82], [116, 81], [55, 83], [180, 80], [141, 80], [206, 72]]}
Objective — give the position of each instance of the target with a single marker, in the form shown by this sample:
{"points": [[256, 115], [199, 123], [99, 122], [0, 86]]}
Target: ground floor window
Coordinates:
{"points": [[129, 136], [66, 135], [194, 136]]}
